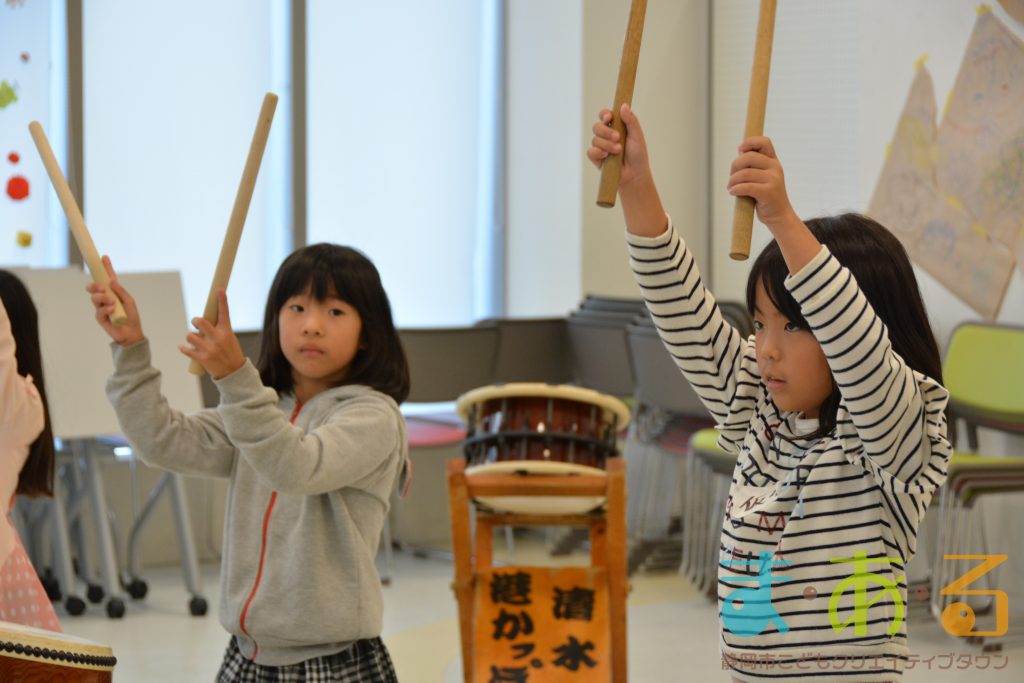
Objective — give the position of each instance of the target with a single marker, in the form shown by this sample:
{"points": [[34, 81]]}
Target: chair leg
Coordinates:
{"points": [[187, 545], [73, 502], [134, 561], [62, 565], [104, 537], [941, 517]]}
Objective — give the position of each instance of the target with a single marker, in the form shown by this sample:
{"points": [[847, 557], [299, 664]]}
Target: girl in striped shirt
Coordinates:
{"points": [[834, 408]]}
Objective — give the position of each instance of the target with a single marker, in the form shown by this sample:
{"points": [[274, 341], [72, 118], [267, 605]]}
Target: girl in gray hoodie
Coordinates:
{"points": [[313, 443]]}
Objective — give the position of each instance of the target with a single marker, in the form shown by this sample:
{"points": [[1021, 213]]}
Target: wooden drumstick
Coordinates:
{"points": [[236, 222], [611, 169], [75, 221], [743, 215]]}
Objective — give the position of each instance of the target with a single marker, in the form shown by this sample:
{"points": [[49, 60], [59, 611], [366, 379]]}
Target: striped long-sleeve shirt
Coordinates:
{"points": [[798, 503]]}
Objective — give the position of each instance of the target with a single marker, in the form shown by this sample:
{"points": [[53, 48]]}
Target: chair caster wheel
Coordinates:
{"points": [[137, 588], [74, 605], [197, 606], [115, 608], [51, 586], [95, 593]]}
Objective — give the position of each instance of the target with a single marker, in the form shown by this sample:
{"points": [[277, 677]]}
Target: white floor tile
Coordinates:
{"points": [[673, 633]]}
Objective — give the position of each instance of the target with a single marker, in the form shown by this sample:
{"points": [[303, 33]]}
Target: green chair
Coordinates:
{"points": [[984, 373]]}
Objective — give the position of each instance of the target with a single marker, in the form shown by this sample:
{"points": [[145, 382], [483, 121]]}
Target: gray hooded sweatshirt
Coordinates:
{"points": [[306, 503]]}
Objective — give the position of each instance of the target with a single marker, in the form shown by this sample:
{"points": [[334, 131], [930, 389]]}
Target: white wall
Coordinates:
{"points": [[840, 76], [563, 61], [671, 100], [394, 118], [543, 261]]}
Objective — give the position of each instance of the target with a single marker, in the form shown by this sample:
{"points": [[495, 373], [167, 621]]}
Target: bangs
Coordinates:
{"points": [[313, 273], [771, 271]]}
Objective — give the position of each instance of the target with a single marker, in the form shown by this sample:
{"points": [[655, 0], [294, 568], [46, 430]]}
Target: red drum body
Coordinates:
{"points": [[528, 428], [31, 654]]}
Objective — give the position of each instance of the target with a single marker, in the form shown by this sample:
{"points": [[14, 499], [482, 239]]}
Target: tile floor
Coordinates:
{"points": [[672, 630]]}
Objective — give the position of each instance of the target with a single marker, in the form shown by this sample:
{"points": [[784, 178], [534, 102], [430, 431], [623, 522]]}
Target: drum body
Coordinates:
{"points": [[530, 428], [31, 654]]}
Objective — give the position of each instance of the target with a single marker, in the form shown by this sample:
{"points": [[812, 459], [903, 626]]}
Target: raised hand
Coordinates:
{"points": [[641, 205], [215, 347], [606, 141], [757, 173], [131, 331]]}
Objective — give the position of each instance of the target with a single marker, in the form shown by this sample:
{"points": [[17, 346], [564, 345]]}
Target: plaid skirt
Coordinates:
{"points": [[366, 661]]}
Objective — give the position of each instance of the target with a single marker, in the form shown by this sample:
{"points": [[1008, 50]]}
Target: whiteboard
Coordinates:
{"points": [[76, 351]]}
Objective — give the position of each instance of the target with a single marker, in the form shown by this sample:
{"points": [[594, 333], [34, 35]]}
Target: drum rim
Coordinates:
{"points": [[476, 396], [513, 466], [543, 505], [54, 647]]}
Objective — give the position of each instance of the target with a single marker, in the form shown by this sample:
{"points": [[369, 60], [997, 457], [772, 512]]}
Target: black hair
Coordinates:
{"points": [[36, 476], [327, 270], [882, 269]]}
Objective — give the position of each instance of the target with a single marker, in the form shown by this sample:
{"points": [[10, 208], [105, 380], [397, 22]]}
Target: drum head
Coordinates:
{"points": [[612, 407], [539, 505]]}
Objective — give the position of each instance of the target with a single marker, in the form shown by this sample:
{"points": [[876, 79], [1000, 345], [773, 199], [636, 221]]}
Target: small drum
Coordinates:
{"points": [[532, 428], [32, 654]]}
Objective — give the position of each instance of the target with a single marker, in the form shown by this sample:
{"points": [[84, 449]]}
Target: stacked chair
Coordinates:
{"points": [[666, 412], [984, 372], [597, 339], [709, 472], [670, 440], [599, 360], [708, 477]]}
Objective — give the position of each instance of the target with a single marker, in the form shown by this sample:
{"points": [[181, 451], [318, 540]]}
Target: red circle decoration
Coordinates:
{"points": [[13, 157], [17, 187]]}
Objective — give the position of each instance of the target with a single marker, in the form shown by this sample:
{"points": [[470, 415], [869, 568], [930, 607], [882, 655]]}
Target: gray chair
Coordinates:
{"points": [[447, 362], [666, 412], [531, 350], [600, 353], [600, 361], [596, 302], [711, 471], [444, 363]]}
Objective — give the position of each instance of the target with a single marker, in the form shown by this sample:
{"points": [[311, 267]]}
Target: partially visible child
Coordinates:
{"points": [[26, 451], [312, 442], [834, 408]]}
